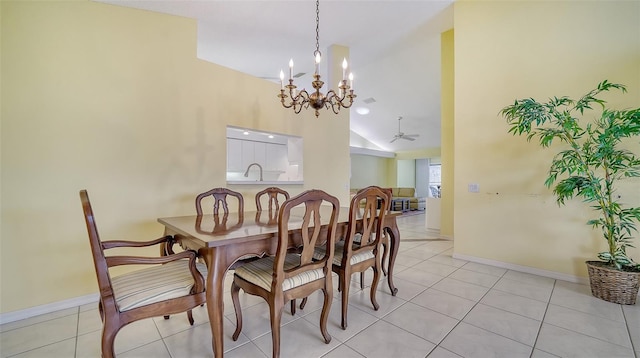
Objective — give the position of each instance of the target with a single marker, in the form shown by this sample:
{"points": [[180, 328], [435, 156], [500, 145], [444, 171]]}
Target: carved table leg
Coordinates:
{"points": [[216, 264], [394, 243]]}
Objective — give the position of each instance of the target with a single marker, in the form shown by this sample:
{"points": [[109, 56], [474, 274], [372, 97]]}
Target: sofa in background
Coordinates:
{"points": [[415, 203]]}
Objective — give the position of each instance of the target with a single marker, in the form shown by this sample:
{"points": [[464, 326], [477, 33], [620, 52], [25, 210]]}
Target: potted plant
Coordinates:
{"points": [[589, 164]]}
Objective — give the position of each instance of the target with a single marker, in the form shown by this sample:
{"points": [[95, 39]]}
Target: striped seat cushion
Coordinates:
{"points": [[154, 284], [319, 253], [260, 272]]}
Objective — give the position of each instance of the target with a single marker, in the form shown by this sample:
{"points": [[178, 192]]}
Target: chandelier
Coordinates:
{"points": [[317, 100]]}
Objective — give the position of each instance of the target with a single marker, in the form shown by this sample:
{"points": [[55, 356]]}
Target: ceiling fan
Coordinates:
{"points": [[401, 135]]}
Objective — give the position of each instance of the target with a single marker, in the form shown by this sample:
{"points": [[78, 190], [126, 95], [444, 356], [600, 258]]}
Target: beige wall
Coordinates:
{"points": [[507, 50], [114, 100], [406, 173], [369, 170]]}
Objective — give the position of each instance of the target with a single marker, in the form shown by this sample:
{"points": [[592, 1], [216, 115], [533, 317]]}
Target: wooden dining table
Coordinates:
{"points": [[221, 240]]}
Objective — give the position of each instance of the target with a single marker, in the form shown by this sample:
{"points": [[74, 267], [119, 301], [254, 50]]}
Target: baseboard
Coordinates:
{"points": [[525, 269], [48, 308]]}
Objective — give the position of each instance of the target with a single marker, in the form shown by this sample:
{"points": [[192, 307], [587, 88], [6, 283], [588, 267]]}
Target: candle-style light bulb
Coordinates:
{"points": [[291, 69], [318, 59], [281, 79], [351, 80], [344, 68]]}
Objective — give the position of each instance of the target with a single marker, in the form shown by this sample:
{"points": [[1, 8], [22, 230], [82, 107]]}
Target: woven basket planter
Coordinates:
{"points": [[613, 285]]}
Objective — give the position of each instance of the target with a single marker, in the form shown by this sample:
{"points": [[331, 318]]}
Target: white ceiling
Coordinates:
{"points": [[394, 48]]}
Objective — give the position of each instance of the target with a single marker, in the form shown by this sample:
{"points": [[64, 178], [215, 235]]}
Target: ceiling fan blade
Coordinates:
{"points": [[412, 135], [407, 138], [394, 139]]}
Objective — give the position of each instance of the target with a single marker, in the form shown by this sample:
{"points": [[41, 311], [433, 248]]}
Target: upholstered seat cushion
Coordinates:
{"points": [[260, 272], [339, 251], [154, 284]]}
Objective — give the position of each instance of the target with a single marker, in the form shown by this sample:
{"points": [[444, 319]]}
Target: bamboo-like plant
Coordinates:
{"points": [[591, 162]]}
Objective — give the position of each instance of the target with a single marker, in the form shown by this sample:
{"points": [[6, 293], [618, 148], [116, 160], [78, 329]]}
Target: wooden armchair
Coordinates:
{"points": [[220, 197], [172, 285], [287, 276]]}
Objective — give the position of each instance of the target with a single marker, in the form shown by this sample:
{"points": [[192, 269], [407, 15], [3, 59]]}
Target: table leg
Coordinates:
{"points": [[217, 267], [394, 243]]}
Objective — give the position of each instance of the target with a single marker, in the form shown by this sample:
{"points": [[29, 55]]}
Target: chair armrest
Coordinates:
{"points": [[145, 260], [122, 243]]}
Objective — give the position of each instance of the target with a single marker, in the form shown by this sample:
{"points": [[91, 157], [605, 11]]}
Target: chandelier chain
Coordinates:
{"points": [[317, 28]]}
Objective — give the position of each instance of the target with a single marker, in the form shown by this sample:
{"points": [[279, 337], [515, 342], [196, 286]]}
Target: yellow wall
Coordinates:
{"points": [[369, 170], [418, 154], [507, 50], [446, 132], [114, 100]]}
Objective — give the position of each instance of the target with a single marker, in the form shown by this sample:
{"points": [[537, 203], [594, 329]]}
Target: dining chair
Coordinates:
{"points": [[360, 250], [385, 238], [272, 194], [219, 198], [287, 276], [173, 284]]}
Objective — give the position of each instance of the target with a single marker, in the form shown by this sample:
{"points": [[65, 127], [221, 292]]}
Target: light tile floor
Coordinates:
{"points": [[445, 307]]}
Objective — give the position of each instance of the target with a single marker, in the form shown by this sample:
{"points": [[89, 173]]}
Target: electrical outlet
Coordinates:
{"points": [[474, 188]]}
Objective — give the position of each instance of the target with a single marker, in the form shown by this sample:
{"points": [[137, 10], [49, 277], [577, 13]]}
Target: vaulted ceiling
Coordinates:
{"points": [[394, 48]]}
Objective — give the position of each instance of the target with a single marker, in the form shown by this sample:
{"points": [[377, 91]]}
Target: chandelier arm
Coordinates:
{"points": [[282, 98], [303, 96], [297, 101], [333, 101], [333, 108], [351, 96], [301, 100]]}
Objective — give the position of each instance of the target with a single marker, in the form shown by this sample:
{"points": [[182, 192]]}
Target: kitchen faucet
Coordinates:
{"points": [[246, 174]]}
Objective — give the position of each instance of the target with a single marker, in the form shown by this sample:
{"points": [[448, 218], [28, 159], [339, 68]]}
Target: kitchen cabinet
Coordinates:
{"points": [[279, 156], [259, 154], [234, 155], [242, 153], [276, 157]]}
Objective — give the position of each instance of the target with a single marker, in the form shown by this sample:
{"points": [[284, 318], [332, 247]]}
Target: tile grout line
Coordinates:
{"points": [[75, 346], [626, 323], [546, 309]]}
